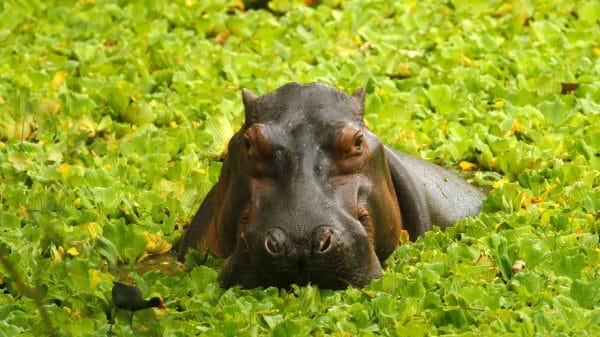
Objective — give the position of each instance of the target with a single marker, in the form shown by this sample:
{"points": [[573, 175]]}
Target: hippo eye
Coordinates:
{"points": [[363, 216], [350, 141], [247, 142], [358, 140], [256, 142]]}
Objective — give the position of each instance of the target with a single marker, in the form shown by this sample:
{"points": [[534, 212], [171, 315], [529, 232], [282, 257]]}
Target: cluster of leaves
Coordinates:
{"points": [[113, 115]]}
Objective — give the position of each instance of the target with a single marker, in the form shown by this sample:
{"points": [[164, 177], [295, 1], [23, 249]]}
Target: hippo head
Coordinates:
{"points": [[306, 194]]}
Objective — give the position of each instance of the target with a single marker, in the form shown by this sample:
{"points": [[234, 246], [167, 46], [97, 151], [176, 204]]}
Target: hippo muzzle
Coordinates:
{"points": [[314, 241], [307, 194]]}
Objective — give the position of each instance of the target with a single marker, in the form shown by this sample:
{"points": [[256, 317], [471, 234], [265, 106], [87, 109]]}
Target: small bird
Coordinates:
{"points": [[130, 298]]}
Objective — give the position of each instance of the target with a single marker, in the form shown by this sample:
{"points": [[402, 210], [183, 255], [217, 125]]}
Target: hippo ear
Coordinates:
{"points": [[359, 96], [249, 98]]}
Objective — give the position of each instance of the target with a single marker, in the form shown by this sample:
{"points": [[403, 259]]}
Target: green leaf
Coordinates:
{"points": [[113, 116], [587, 294], [507, 198], [128, 242], [220, 131], [441, 98], [570, 265], [108, 250], [286, 329], [202, 276]]}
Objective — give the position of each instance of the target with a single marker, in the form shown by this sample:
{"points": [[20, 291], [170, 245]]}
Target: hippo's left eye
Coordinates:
{"points": [[358, 140]]}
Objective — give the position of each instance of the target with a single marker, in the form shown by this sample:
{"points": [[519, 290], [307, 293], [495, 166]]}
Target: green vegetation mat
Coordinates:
{"points": [[113, 115]]}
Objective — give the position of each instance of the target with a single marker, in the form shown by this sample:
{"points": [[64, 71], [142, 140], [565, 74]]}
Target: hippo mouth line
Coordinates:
{"points": [[335, 257], [302, 272]]}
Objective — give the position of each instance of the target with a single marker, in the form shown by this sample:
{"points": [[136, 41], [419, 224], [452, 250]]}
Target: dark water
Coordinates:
{"points": [[165, 263]]}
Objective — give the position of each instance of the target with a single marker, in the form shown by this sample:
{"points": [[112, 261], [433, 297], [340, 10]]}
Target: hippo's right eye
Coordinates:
{"points": [[247, 142], [256, 142]]}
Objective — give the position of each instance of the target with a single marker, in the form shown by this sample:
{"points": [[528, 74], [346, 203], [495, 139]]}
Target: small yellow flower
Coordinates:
{"points": [[467, 166], [58, 79], [499, 183], [73, 251]]}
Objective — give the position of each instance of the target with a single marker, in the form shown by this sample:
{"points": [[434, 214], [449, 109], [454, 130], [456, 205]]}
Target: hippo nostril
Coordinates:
{"points": [[271, 245], [325, 241]]}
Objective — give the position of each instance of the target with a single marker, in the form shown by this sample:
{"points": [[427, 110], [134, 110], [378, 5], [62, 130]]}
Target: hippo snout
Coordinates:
{"points": [[326, 256], [279, 245]]}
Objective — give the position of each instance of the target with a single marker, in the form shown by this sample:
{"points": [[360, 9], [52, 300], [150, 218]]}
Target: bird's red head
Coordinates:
{"points": [[157, 302], [161, 304]]}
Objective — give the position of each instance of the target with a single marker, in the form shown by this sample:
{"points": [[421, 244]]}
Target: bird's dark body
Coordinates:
{"points": [[307, 194], [130, 298]]}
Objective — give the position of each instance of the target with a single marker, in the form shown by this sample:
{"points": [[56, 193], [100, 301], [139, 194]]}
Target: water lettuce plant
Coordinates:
{"points": [[114, 115]]}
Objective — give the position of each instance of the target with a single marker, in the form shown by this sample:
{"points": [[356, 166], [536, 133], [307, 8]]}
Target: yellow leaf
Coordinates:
{"points": [[18, 160], [545, 218], [166, 187], [499, 183], [95, 277], [403, 71], [239, 4], [58, 80], [503, 9], [596, 51], [517, 127], [404, 238], [489, 274], [465, 60], [528, 200], [523, 19], [93, 228], [57, 253], [485, 264], [344, 51], [548, 189], [156, 245], [467, 166], [484, 259], [23, 128], [73, 251], [64, 169], [221, 132], [48, 106]]}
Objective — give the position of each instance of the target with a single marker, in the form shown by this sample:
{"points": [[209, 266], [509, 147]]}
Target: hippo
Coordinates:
{"points": [[308, 194]]}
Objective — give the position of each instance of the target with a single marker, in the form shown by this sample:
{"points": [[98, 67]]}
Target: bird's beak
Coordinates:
{"points": [[162, 306]]}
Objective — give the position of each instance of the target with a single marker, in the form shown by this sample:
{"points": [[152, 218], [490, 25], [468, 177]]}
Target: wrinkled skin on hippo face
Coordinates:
{"points": [[307, 194], [313, 187]]}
